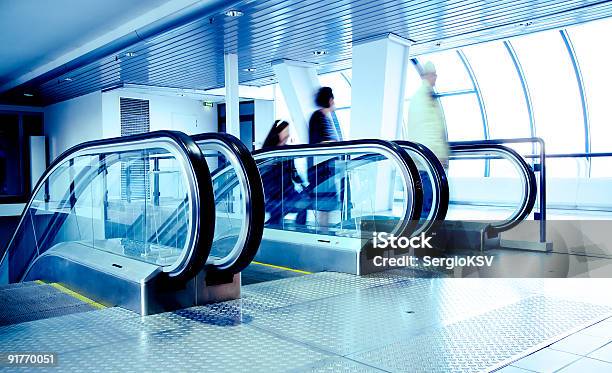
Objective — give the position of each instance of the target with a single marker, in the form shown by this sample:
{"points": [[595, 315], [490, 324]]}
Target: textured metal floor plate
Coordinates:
{"points": [[374, 316], [296, 290], [325, 322], [486, 341]]}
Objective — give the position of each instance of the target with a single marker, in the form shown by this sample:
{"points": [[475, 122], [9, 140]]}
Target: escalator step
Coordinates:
{"points": [[34, 301]]}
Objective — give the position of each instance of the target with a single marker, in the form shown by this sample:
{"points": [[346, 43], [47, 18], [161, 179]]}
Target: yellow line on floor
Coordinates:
{"points": [[73, 294], [280, 267]]}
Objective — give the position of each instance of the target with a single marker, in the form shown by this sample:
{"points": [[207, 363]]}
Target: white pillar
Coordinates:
{"points": [[379, 77], [298, 82], [232, 99]]}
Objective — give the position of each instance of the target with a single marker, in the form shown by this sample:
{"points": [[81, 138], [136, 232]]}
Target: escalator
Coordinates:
{"points": [[481, 207], [130, 222], [239, 205], [324, 201]]}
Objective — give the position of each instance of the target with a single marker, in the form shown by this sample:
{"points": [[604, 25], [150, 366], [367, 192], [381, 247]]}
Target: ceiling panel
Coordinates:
{"points": [[191, 56]]}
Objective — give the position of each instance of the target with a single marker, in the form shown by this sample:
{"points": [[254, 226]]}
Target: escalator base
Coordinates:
{"points": [[391, 321]]}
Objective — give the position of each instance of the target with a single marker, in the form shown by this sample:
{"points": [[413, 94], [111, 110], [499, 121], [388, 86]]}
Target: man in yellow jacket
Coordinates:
{"points": [[426, 123]]}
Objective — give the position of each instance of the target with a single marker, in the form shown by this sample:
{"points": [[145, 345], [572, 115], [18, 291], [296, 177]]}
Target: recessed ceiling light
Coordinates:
{"points": [[319, 52], [250, 69], [234, 13], [28, 94], [130, 54]]}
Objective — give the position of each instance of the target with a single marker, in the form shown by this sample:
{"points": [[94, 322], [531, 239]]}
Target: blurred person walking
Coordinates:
{"points": [[426, 125], [321, 129]]}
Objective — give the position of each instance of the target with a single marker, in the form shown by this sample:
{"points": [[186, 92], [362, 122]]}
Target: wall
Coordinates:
{"points": [[96, 115], [166, 113], [72, 122], [264, 118]]}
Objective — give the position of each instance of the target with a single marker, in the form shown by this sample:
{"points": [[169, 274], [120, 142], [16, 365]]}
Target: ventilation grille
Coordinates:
{"points": [[134, 169]]}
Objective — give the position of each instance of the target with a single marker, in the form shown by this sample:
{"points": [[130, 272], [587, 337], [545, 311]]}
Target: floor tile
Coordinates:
{"points": [[604, 353], [512, 369], [585, 365], [580, 344], [602, 329], [546, 360]]}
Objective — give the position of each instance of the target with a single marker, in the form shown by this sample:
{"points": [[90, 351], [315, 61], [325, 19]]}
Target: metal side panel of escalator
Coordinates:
{"points": [[95, 224]]}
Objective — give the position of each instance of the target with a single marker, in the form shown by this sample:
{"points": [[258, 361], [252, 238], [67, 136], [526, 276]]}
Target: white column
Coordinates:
{"points": [[38, 159], [379, 77], [298, 82], [232, 99]]}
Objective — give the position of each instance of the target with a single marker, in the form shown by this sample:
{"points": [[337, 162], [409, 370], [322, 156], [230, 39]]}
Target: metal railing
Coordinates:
{"points": [[539, 167]]}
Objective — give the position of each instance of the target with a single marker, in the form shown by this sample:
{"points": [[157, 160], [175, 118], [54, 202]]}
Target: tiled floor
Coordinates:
{"points": [[587, 351], [387, 322]]}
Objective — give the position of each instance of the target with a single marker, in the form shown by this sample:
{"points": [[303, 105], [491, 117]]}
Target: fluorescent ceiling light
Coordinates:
{"points": [[234, 13]]}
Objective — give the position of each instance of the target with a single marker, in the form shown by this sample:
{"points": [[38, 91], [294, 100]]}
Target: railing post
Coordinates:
{"points": [[156, 191], [542, 190]]}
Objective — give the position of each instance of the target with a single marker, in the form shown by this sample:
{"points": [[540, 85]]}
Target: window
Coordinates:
{"points": [[15, 131], [501, 90], [11, 166], [463, 119], [593, 50], [246, 110], [556, 99], [452, 75]]}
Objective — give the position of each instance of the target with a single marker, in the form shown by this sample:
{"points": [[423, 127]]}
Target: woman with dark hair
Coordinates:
{"points": [[278, 135], [320, 127], [279, 178], [321, 174]]}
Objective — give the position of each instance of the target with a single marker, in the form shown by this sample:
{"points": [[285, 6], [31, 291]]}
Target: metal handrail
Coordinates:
{"points": [[440, 180], [250, 236], [191, 260], [542, 170], [529, 182], [389, 149]]}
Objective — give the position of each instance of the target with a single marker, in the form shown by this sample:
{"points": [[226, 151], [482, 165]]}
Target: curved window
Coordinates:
{"points": [[501, 90], [463, 119], [452, 75], [593, 49], [503, 96], [555, 96]]}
